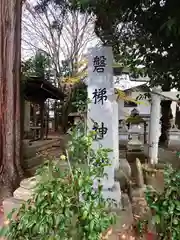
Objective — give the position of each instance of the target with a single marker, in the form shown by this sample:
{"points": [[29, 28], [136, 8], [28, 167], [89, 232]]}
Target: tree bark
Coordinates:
{"points": [[165, 121], [10, 62], [66, 107], [56, 118], [47, 120], [166, 115], [177, 120], [42, 111]]}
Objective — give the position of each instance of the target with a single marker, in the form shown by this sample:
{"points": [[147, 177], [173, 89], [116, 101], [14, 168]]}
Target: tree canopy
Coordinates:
{"points": [[61, 32], [143, 32], [37, 66]]}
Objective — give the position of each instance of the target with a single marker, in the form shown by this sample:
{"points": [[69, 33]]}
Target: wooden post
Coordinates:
{"points": [[42, 120], [47, 120], [145, 132]]}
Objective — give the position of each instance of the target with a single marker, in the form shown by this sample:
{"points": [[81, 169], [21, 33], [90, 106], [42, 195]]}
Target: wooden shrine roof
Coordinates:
{"points": [[37, 90]]}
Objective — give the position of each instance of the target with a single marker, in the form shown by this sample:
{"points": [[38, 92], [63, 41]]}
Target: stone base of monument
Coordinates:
{"points": [[123, 176], [113, 194]]}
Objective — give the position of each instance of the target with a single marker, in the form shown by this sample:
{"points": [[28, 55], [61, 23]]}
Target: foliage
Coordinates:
{"points": [[79, 96], [144, 35], [165, 206], [135, 120], [66, 68], [80, 100], [60, 31], [145, 38], [142, 226], [141, 33], [65, 204], [36, 66]]}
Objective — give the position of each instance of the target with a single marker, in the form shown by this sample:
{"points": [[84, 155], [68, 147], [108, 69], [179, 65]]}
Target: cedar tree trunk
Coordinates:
{"points": [[10, 62]]}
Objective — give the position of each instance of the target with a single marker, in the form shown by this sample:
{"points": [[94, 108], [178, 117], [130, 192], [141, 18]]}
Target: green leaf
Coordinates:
{"points": [[175, 221], [156, 219], [80, 182], [85, 213], [3, 231], [91, 225]]}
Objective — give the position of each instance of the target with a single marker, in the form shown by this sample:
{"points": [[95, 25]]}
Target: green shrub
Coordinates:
{"points": [[65, 205], [166, 206]]}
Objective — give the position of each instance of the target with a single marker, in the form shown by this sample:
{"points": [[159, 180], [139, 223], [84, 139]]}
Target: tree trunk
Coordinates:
{"points": [[177, 120], [47, 120], [166, 116], [42, 111], [55, 116], [10, 62], [65, 107], [165, 121], [65, 114]]}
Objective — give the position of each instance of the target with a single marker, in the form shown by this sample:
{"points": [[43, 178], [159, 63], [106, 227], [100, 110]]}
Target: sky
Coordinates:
{"points": [[36, 34]]}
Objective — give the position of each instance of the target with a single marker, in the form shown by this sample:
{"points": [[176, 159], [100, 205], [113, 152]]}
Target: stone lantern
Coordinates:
{"points": [[135, 122]]}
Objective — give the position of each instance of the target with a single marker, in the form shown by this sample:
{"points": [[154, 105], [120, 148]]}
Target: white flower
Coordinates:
{"points": [[63, 157]]}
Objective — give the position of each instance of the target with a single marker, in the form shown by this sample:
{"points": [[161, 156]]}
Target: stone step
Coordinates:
{"points": [[31, 150], [32, 162], [29, 172], [49, 145]]}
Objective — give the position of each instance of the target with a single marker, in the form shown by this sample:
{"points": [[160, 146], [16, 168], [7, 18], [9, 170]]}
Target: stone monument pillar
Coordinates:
{"points": [[101, 110], [154, 128]]}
